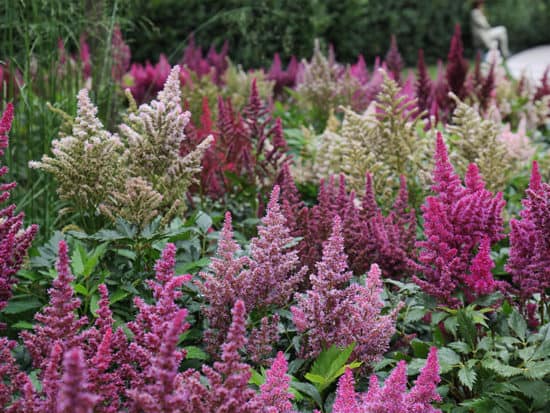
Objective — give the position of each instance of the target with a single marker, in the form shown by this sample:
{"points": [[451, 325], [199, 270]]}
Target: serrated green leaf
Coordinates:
{"points": [[460, 347], [537, 369], [77, 259], [195, 353], [467, 376], [17, 306], [315, 378], [309, 390], [517, 323], [203, 221], [537, 390], [500, 368], [448, 356]]}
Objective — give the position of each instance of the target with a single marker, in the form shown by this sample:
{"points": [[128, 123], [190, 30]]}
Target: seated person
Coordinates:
{"points": [[485, 35]]}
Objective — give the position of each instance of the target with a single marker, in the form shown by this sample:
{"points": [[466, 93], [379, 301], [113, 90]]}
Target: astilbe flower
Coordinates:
{"points": [[478, 143], [73, 395], [517, 143], [283, 78], [121, 55], [214, 63], [369, 235], [238, 84], [393, 396], [456, 221], [221, 286], [12, 380], [146, 81], [274, 392], [155, 134], [359, 70], [394, 60], [88, 163], [274, 271], [529, 261], [15, 240], [58, 321], [424, 85], [334, 312], [248, 144], [162, 394], [457, 66]]}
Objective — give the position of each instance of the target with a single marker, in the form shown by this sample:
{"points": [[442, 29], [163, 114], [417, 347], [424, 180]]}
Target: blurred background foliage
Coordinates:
{"points": [[256, 29]]}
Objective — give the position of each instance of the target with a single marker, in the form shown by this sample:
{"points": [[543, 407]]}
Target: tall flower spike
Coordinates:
{"points": [[423, 84], [15, 240], [346, 400], [394, 60], [274, 271], [57, 321], [274, 396], [73, 395], [457, 66], [424, 391]]}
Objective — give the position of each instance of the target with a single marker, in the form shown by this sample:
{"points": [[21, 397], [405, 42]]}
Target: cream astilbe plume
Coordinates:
{"points": [[476, 141], [237, 85], [138, 203], [383, 141], [87, 163], [154, 135]]}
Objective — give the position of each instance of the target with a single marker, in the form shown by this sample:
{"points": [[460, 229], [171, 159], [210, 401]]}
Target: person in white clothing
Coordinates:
{"points": [[485, 35]]}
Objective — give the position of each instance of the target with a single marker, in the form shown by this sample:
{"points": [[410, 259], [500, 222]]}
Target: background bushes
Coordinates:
{"points": [[256, 29]]}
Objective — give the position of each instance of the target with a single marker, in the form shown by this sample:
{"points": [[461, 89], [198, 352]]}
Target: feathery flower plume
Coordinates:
{"points": [[58, 321], [15, 240], [456, 220], [73, 395], [457, 66], [423, 84], [394, 60], [274, 395], [334, 312]]}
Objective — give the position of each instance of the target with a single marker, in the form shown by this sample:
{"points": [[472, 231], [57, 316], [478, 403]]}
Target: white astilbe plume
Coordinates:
{"points": [[87, 162], [154, 135]]}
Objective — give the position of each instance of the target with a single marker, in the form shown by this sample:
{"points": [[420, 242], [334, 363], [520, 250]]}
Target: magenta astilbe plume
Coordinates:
{"points": [[73, 395], [15, 240], [274, 270], [359, 70], [529, 261], [393, 396], [214, 63], [456, 221], [227, 389], [12, 380], [162, 393], [274, 396], [57, 321], [334, 312], [153, 320], [221, 285], [423, 84], [146, 81], [121, 55], [481, 279], [394, 60], [457, 66], [346, 400], [283, 78]]}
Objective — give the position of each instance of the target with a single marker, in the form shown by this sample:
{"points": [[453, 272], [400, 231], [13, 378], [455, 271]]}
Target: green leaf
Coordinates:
{"points": [[257, 378], [23, 325], [77, 259], [518, 325], [118, 295], [309, 390], [448, 356], [467, 328], [195, 353], [17, 306], [537, 369], [131, 255], [420, 348], [94, 304], [500, 368], [460, 346], [329, 366], [203, 221], [415, 314], [537, 390], [80, 289], [467, 376]]}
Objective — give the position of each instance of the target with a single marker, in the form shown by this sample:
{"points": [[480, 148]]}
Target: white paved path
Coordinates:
{"points": [[531, 61]]}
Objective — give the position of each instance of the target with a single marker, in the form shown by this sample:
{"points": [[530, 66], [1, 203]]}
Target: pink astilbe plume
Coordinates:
{"points": [[58, 320], [283, 78], [12, 380], [73, 395], [274, 395], [423, 84], [394, 60], [121, 55], [15, 240], [335, 312], [145, 81], [161, 394], [457, 66], [274, 272], [456, 221], [369, 236], [221, 285], [214, 63], [393, 396], [227, 389], [359, 70], [529, 261]]}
